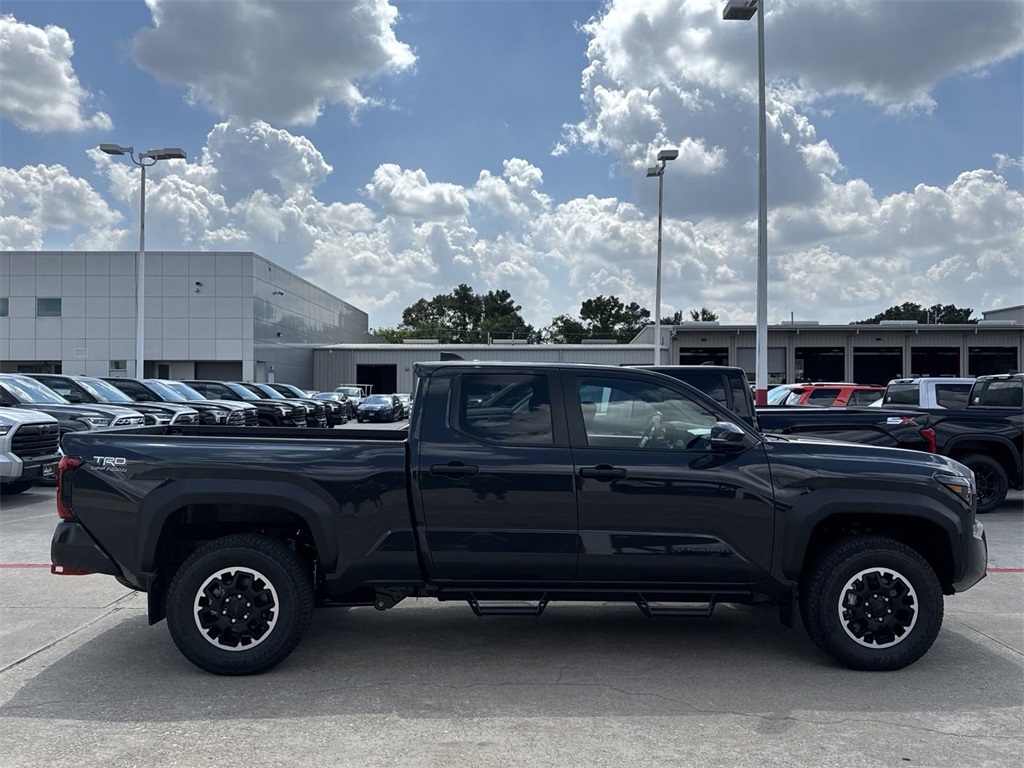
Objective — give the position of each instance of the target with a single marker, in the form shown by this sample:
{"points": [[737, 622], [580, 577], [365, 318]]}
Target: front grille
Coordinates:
{"points": [[33, 440], [186, 418], [236, 418], [299, 413], [252, 417], [129, 421]]}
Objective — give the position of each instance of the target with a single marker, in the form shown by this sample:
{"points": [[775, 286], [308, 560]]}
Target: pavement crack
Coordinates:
{"points": [[1000, 643], [37, 651]]}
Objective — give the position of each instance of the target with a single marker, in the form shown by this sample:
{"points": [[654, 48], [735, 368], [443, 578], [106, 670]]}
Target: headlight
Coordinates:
{"points": [[284, 410], [4, 429], [961, 487], [96, 421], [219, 415]]}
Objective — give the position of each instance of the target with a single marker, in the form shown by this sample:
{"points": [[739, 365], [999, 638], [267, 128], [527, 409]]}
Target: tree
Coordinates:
{"points": [[603, 317], [937, 313], [392, 335], [703, 314], [464, 317]]}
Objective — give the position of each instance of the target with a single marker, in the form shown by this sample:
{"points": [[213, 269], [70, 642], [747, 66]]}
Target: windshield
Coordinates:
{"points": [[377, 400], [184, 390], [267, 391], [29, 391], [242, 392], [903, 394], [164, 391], [350, 391], [328, 396], [777, 395], [104, 392], [295, 391]]}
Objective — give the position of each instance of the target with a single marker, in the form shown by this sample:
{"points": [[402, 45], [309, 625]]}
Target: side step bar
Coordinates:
{"points": [[653, 611], [506, 609]]}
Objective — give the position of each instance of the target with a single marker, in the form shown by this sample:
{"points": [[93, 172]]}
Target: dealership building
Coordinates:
{"points": [[217, 315], [238, 316]]}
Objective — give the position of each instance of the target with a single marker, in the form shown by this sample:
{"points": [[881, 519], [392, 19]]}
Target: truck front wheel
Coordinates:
{"points": [[872, 603], [240, 604], [991, 480]]}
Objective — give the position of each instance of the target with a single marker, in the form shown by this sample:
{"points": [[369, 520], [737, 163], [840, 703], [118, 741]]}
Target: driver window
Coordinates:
{"points": [[625, 413]]}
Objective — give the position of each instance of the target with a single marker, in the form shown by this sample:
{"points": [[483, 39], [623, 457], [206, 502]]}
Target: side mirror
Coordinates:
{"points": [[73, 397], [726, 437], [142, 397]]}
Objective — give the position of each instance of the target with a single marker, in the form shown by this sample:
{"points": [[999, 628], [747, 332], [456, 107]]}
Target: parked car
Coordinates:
{"points": [[19, 391], [316, 410], [87, 389], [779, 395], [156, 391], [927, 393], [29, 449], [271, 413], [346, 407], [356, 394], [406, 401], [336, 411], [833, 395], [239, 414], [379, 408], [725, 384], [666, 501]]}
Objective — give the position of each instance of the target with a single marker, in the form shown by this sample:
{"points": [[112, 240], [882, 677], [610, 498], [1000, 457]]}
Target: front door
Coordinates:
{"points": [[656, 505], [495, 478]]}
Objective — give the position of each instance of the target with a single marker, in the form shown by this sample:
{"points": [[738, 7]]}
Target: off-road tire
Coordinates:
{"points": [[273, 572], [992, 482], [830, 583]]}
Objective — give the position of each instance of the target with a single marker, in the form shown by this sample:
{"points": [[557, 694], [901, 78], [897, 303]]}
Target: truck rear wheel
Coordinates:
{"points": [[991, 480], [872, 603], [240, 604]]}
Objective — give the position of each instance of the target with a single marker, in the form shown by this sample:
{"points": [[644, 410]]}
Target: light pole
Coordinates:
{"points": [[659, 170], [153, 156], [744, 10]]}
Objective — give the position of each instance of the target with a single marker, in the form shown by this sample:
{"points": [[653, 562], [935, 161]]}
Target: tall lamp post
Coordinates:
{"points": [[144, 161], [659, 170], [744, 10]]}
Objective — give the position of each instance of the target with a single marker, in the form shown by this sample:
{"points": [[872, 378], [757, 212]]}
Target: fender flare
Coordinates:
{"points": [[811, 510], [316, 509], [995, 439]]}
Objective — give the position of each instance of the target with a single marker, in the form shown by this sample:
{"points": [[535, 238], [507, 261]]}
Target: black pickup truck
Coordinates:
{"points": [[988, 439], [517, 485]]}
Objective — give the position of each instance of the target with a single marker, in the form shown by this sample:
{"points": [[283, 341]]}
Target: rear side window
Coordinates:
{"points": [[508, 409], [821, 396], [952, 395], [903, 394], [999, 394], [863, 397]]}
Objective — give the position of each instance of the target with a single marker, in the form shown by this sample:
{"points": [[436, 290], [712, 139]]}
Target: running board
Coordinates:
{"points": [[697, 611], [505, 609]]}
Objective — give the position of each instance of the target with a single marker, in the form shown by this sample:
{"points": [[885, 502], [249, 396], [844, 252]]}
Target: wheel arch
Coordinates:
{"points": [[919, 522]]}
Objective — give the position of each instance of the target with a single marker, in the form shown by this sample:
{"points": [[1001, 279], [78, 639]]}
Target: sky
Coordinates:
{"points": [[389, 151]]}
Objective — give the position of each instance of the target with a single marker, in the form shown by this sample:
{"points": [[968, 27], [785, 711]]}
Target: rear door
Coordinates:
{"points": [[495, 477], [655, 504]]}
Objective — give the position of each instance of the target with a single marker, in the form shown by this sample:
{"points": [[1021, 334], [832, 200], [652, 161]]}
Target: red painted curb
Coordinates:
{"points": [[24, 565]]}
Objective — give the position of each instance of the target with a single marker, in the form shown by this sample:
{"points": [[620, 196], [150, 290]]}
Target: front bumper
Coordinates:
{"points": [[73, 548], [13, 468], [975, 560], [375, 415]]}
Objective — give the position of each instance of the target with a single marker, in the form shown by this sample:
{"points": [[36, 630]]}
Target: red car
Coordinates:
{"points": [[832, 394]]}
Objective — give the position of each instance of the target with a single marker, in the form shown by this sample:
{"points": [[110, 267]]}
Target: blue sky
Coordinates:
{"points": [[503, 144]]}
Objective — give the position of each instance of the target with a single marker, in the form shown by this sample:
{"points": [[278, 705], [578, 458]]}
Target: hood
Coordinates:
{"points": [[72, 411], [856, 452], [11, 416]]}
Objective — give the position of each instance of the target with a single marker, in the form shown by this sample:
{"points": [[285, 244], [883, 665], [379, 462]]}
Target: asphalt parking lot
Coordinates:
{"points": [[84, 681]]}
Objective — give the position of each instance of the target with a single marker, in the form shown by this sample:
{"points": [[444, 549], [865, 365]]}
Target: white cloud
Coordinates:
{"points": [[265, 59], [1006, 163], [45, 204], [41, 91], [403, 192]]}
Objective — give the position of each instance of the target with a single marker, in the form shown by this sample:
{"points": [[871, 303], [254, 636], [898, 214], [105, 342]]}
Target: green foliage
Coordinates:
{"points": [[464, 317], [703, 314], [603, 317], [937, 313]]}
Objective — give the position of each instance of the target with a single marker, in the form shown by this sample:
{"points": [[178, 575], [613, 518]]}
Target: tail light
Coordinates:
{"points": [[929, 437], [67, 465]]}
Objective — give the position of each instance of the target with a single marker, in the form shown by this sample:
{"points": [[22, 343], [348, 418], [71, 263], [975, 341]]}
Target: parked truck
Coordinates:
{"points": [[518, 485], [29, 449]]}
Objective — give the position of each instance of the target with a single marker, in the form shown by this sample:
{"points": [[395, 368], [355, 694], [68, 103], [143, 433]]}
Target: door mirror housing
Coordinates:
{"points": [[142, 397], [73, 397], [726, 437]]}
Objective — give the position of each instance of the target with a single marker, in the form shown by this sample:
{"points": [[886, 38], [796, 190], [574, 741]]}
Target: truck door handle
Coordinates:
{"points": [[454, 469], [603, 472]]}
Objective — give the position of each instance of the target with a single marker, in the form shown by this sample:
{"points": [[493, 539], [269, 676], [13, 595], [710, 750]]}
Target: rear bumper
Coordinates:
{"points": [[73, 548], [976, 561]]}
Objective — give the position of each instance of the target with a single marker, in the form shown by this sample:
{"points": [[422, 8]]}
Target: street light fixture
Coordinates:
{"points": [[744, 10], [659, 170], [153, 156]]}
